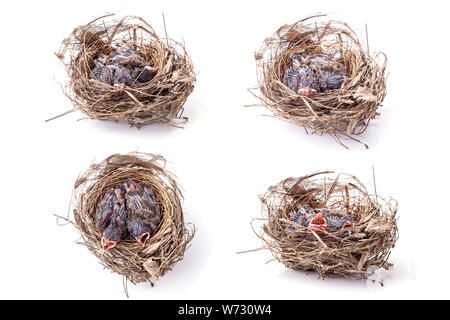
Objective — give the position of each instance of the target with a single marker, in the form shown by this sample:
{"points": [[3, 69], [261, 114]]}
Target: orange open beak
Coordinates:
{"points": [[142, 238], [108, 244], [317, 224]]}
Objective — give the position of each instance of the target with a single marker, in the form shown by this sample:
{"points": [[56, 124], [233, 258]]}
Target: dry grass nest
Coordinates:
{"points": [[343, 112], [129, 258], [353, 252], [157, 101]]}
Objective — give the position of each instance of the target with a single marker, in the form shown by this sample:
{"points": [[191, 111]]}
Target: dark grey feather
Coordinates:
{"points": [[104, 210]]}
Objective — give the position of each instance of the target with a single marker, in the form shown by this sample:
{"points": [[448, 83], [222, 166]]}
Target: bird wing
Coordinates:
{"points": [[105, 210], [134, 201], [149, 195], [120, 216], [291, 78], [307, 78], [102, 73], [334, 80]]}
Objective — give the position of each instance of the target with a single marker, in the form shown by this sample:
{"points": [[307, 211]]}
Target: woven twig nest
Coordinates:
{"points": [[346, 111], [165, 247], [159, 100], [353, 252]]}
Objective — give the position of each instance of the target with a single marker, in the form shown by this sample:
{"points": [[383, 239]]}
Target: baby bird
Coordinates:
{"points": [[144, 213], [117, 228], [104, 210], [330, 73], [100, 73], [111, 74], [302, 216], [132, 60], [124, 55], [337, 221], [120, 75], [320, 219], [145, 74], [300, 78], [122, 67], [110, 217]]}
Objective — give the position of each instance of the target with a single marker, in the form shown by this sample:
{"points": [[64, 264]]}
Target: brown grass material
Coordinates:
{"points": [[342, 112], [129, 258], [160, 100], [352, 253]]}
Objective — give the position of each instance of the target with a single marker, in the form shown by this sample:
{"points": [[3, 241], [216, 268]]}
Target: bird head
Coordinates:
{"points": [[318, 223], [131, 185], [108, 244], [143, 237]]}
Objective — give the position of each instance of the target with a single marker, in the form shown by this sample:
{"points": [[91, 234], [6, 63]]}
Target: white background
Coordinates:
{"points": [[226, 155]]}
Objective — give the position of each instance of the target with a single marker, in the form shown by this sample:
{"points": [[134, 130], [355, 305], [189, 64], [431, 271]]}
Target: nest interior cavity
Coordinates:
{"points": [[160, 100], [352, 253], [346, 111], [129, 258]]}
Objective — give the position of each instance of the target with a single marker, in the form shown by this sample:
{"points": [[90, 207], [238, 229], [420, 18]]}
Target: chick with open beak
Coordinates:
{"points": [[144, 213], [319, 220], [110, 217]]}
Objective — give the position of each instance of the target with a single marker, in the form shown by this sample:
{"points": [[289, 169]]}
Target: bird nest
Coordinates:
{"points": [[165, 247], [345, 111], [159, 100], [353, 252]]}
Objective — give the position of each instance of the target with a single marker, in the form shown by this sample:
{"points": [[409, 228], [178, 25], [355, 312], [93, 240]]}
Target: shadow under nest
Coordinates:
{"points": [[159, 100], [353, 253], [165, 247], [343, 112]]}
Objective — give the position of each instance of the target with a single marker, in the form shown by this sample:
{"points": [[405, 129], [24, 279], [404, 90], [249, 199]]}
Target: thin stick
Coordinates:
{"points": [[62, 114], [251, 250], [125, 285], [374, 184]]}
